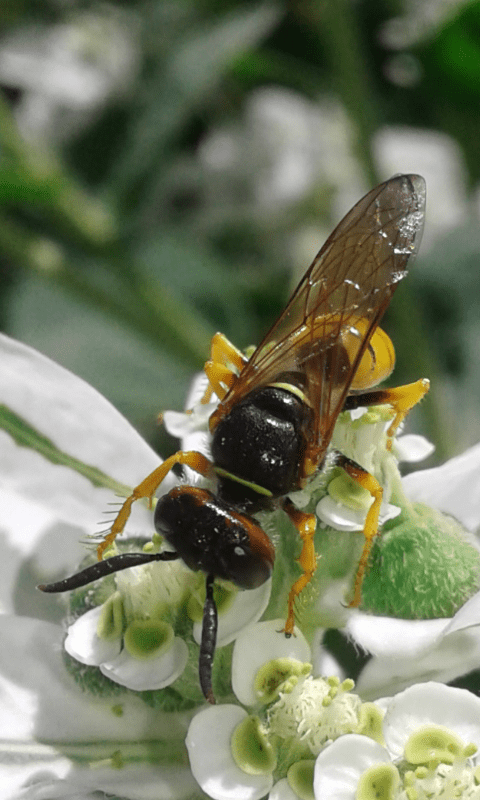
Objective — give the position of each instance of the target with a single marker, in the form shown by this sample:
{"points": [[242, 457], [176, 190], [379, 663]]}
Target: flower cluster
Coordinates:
{"points": [[125, 698], [312, 738], [431, 739]]}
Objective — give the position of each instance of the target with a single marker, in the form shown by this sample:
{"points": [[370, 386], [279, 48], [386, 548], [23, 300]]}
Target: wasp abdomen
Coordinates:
{"points": [[261, 440]]}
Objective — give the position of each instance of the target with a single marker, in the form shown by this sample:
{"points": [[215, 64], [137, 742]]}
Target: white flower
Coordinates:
{"points": [[432, 735], [59, 741], [64, 452], [437, 157], [293, 716], [209, 736], [66, 71], [142, 653]]}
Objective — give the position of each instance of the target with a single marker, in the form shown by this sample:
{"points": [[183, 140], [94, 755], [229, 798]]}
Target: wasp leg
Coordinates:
{"points": [[370, 528], [305, 525], [402, 398], [208, 642], [148, 487], [220, 375]]}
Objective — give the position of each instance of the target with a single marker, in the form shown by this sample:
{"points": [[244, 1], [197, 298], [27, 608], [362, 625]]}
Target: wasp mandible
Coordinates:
{"points": [[277, 410]]}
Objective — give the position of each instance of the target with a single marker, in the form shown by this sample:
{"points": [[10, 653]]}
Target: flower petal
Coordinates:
{"points": [[247, 607], [85, 645], [390, 637], [71, 413], [412, 448], [133, 783], [211, 760], [150, 673], [467, 616], [40, 705], [342, 518], [454, 655], [258, 644], [453, 488], [427, 704], [47, 507], [339, 766], [41, 701], [282, 791]]}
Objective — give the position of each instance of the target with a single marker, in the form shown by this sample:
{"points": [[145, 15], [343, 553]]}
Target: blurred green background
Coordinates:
{"points": [[169, 169]]}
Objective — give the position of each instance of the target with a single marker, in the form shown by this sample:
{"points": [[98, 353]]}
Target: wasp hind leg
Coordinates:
{"points": [[305, 525], [218, 369], [147, 488], [401, 398], [370, 528]]}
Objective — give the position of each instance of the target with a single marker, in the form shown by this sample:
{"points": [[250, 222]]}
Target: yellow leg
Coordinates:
{"points": [[220, 380], [221, 376], [402, 398], [148, 487], [305, 525], [370, 529]]}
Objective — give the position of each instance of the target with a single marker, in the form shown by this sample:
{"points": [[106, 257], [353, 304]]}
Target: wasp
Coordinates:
{"points": [[277, 409]]}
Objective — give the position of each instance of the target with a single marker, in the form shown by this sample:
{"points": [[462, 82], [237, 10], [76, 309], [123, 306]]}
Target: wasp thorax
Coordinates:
{"points": [[260, 440]]}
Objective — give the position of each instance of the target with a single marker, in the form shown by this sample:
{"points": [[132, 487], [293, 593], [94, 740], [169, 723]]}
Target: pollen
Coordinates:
{"points": [[316, 710]]}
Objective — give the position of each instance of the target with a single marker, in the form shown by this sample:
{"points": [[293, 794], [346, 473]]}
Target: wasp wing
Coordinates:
{"points": [[348, 286]]}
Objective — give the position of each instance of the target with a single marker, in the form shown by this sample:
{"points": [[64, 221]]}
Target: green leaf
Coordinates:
{"points": [[27, 436]]}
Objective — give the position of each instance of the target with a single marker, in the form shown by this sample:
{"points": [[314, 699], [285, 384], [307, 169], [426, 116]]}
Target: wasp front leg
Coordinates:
{"points": [[401, 398], [147, 488], [305, 525], [222, 368]]}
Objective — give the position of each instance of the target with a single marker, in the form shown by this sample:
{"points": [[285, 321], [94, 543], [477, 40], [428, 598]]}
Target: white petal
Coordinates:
{"points": [[47, 508], [283, 791], [211, 760], [130, 783], [258, 644], [387, 636], [85, 645], [180, 424], [412, 448], [40, 701], [431, 704], [454, 655], [192, 429], [19, 781], [468, 615], [72, 413], [149, 673], [196, 391], [453, 488], [327, 665], [247, 608], [343, 518], [339, 766]]}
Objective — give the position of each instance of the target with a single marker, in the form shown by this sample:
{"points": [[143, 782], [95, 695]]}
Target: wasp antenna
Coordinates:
{"points": [[103, 568], [209, 640]]}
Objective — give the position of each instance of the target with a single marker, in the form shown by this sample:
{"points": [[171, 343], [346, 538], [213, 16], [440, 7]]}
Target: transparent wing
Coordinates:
{"points": [[348, 286]]}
